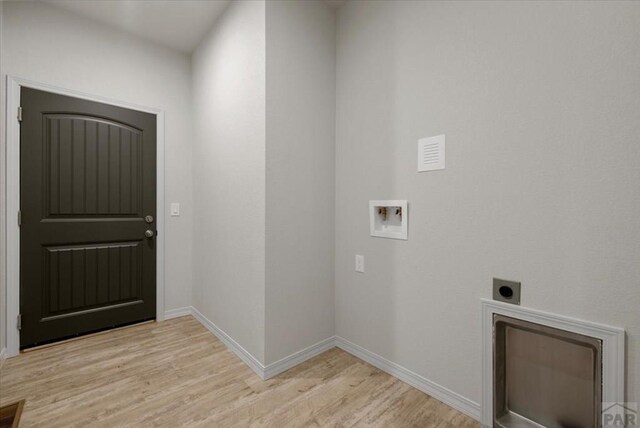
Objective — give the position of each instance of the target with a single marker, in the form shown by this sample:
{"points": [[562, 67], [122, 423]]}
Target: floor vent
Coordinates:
{"points": [[10, 414]]}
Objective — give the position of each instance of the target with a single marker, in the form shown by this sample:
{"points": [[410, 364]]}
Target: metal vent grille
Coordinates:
{"points": [[431, 153]]}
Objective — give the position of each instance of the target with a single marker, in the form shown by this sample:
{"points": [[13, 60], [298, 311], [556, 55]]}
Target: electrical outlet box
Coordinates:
{"points": [[389, 219], [506, 291]]}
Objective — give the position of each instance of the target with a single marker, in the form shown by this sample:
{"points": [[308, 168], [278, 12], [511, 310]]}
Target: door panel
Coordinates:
{"points": [[84, 277], [92, 166], [88, 179]]}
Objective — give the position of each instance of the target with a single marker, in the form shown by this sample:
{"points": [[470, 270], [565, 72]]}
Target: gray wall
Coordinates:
{"points": [[264, 101], [53, 46], [3, 199], [300, 175], [229, 171], [540, 103]]}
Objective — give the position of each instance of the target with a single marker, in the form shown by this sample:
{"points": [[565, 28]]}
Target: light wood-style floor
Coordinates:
{"points": [[176, 373]]}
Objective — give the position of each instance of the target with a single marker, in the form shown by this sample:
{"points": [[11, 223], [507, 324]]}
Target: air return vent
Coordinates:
{"points": [[431, 153]]}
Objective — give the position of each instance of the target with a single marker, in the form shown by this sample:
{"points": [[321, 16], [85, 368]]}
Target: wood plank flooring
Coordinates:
{"points": [[176, 373]]}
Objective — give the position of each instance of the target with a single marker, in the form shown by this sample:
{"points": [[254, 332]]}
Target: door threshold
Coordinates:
{"points": [[84, 336]]}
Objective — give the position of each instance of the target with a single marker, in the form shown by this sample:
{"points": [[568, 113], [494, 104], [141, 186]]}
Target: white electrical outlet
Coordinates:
{"points": [[359, 263]]}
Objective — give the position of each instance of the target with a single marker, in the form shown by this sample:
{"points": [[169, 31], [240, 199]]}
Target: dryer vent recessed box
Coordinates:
{"points": [[388, 219]]}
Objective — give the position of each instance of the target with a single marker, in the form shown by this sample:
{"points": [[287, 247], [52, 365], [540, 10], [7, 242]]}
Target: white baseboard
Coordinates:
{"points": [[431, 388], [234, 346], [439, 392], [3, 356], [263, 372], [299, 357], [178, 312]]}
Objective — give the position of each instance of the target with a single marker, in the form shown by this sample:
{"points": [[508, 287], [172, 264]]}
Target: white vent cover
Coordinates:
{"points": [[431, 153]]}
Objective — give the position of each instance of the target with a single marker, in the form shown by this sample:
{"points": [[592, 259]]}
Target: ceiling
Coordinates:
{"points": [[177, 24]]}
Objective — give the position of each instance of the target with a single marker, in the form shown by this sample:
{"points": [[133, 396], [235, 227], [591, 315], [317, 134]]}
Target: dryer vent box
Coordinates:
{"points": [[388, 219]]}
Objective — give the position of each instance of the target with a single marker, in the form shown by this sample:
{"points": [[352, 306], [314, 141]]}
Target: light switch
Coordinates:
{"points": [[175, 209], [359, 263]]}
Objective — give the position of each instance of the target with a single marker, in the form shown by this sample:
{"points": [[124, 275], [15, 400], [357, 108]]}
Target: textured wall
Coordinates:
{"points": [[3, 199], [229, 175], [540, 104], [300, 175]]}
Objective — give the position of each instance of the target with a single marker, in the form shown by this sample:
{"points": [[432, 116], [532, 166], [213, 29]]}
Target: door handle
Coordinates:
{"points": [[148, 233]]}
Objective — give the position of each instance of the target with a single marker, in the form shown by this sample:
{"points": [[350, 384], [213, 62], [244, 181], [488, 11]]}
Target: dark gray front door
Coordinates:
{"points": [[87, 182]]}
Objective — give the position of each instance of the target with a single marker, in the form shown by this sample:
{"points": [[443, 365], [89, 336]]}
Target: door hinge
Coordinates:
{"points": [[20, 114], [19, 321], [19, 218]]}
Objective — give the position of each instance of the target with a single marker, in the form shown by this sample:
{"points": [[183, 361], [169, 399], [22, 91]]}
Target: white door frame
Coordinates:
{"points": [[13, 198]]}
